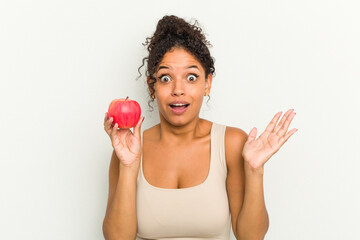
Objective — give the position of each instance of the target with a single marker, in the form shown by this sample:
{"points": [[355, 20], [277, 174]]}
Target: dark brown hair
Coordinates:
{"points": [[172, 31]]}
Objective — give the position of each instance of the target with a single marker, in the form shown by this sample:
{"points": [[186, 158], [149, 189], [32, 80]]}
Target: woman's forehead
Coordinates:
{"points": [[179, 59], [169, 67]]}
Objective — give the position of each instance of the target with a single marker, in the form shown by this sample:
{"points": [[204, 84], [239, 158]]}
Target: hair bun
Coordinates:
{"points": [[172, 26]]}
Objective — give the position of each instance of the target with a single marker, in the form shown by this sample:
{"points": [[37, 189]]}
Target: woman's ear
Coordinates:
{"points": [[208, 82], [151, 91]]}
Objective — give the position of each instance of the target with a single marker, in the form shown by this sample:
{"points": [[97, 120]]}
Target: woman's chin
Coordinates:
{"points": [[177, 121]]}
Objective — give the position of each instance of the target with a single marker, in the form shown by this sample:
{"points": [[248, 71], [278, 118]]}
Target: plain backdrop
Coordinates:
{"points": [[63, 62]]}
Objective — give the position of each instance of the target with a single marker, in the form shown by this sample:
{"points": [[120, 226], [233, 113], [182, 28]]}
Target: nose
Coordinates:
{"points": [[178, 88]]}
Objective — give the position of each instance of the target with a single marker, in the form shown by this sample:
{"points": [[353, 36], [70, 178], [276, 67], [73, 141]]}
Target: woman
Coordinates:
{"points": [[193, 178]]}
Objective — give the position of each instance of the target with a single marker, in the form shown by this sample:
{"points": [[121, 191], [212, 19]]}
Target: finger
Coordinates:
{"points": [[114, 130], [285, 126], [137, 128], [252, 134], [108, 124], [106, 119], [107, 116], [288, 135], [273, 122], [283, 119]]}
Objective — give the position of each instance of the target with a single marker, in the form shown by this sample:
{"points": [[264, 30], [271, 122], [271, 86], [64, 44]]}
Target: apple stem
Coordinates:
{"points": [[126, 98]]}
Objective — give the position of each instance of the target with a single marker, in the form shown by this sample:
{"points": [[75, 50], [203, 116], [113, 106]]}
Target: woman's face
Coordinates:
{"points": [[180, 78]]}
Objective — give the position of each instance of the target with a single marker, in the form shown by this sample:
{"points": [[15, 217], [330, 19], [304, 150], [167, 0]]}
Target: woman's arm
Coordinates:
{"points": [[120, 220], [253, 220]]}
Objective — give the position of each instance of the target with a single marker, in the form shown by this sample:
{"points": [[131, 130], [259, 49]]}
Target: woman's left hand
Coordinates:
{"points": [[257, 152]]}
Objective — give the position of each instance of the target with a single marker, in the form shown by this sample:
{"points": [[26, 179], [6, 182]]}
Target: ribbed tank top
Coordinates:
{"points": [[199, 212]]}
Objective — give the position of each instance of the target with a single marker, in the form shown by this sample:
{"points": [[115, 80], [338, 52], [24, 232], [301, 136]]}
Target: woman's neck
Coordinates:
{"points": [[180, 134]]}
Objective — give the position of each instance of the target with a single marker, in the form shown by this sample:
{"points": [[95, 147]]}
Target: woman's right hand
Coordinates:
{"points": [[127, 145]]}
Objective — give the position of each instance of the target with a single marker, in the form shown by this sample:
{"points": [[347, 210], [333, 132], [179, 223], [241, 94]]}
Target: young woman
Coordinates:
{"points": [[187, 177]]}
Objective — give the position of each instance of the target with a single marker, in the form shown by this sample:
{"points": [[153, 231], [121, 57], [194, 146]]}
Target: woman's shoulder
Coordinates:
{"points": [[151, 130], [234, 137], [233, 132]]}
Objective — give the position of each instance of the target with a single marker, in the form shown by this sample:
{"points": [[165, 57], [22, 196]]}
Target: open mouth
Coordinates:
{"points": [[179, 109], [179, 106]]}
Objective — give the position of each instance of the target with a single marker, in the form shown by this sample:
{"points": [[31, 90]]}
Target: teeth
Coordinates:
{"points": [[178, 104]]}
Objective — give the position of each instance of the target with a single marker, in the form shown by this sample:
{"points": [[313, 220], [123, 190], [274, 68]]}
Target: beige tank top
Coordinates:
{"points": [[199, 212]]}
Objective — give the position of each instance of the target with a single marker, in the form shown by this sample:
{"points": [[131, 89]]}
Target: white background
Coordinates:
{"points": [[62, 62]]}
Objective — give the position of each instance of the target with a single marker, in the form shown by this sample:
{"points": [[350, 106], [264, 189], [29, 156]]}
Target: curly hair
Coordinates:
{"points": [[172, 31]]}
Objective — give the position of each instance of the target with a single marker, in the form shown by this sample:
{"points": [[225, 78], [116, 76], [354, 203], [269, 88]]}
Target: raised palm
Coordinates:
{"points": [[257, 152]]}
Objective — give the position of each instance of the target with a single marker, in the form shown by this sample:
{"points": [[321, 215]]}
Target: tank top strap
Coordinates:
{"points": [[141, 150], [219, 144]]}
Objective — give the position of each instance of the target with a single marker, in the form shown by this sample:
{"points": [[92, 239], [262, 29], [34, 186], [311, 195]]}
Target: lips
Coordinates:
{"points": [[179, 103], [179, 107]]}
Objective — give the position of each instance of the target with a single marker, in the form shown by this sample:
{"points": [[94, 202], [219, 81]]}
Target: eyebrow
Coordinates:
{"points": [[192, 66]]}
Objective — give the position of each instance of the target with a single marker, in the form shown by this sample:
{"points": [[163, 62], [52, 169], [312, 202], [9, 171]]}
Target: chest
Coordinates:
{"points": [[176, 167]]}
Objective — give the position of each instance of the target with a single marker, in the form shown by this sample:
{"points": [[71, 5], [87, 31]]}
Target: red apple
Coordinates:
{"points": [[125, 112]]}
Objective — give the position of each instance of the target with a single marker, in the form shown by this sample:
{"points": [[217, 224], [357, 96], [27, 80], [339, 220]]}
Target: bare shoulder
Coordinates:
{"points": [[235, 139], [151, 132]]}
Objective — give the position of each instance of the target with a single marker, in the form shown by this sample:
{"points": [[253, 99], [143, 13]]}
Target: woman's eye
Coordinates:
{"points": [[164, 78], [192, 77]]}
